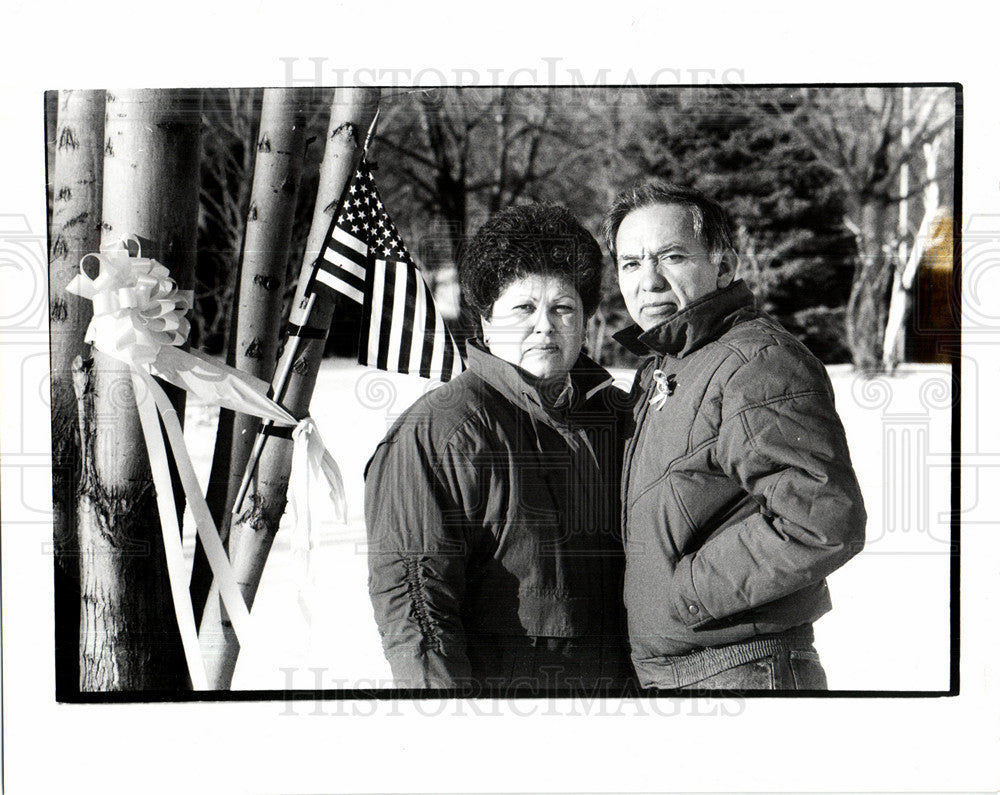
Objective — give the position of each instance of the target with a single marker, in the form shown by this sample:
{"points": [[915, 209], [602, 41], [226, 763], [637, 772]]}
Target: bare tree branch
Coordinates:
{"points": [[407, 152]]}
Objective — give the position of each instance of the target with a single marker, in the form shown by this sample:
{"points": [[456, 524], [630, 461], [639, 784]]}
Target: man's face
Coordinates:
{"points": [[662, 266]]}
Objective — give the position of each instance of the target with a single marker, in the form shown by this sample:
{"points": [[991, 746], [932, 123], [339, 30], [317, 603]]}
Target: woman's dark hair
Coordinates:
{"points": [[531, 239]]}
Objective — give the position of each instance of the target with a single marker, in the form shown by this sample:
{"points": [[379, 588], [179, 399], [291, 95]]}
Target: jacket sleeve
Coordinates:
{"points": [[783, 443], [417, 559]]}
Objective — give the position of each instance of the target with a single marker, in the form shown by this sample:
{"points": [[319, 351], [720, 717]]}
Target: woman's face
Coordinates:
{"points": [[537, 324]]}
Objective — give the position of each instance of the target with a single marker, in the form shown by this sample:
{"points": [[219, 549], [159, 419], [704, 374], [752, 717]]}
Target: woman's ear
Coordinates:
{"points": [[483, 323], [727, 268]]}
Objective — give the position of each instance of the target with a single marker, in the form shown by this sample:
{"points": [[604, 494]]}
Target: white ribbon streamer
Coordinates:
{"points": [[176, 569], [311, 462], [139, 319], [204, 524]]}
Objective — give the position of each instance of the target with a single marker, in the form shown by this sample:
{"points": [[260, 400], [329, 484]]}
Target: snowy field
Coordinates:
{"points": [[889, 627]]}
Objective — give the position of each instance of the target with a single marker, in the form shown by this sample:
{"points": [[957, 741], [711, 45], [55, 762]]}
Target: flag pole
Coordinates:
{"points": [[294, 339]]}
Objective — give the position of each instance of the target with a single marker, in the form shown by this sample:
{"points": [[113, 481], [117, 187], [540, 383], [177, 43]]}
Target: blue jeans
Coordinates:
{"points": [[785, 661], [540, 663]]}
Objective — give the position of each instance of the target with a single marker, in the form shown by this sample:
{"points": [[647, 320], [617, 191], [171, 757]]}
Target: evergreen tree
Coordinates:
{"points": [[795, 252]]}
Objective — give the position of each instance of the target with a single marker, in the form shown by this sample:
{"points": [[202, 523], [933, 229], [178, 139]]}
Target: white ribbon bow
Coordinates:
{"points": [[138, 308], [139, 319]]}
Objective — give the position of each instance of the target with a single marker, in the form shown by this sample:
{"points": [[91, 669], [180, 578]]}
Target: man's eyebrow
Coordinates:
{"points": [[657, 253]]}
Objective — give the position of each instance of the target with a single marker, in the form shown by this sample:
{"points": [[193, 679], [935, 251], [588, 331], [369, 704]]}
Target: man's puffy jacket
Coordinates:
{"points": [[492, 517], [738, 493]]}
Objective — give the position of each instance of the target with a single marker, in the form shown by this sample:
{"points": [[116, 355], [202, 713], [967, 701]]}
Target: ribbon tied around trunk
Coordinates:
{"points": [[139, 320]]}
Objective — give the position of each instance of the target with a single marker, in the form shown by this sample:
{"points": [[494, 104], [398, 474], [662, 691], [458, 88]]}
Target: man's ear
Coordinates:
{"points": [[727, 268]]}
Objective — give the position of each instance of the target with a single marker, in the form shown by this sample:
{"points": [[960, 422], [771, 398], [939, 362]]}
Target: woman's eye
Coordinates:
{"points": [[525, 308], [628, 265], [565, 309]]}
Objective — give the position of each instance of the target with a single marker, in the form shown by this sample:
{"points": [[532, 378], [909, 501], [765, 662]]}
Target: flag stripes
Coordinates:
{"points": [[409, 335], [364, 259], [342, 263], [339, 285]]}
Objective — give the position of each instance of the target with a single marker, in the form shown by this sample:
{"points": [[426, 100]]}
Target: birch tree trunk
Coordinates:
{"points": [[128, 632], [281, 146], [900, 304], [892, 343], [254, 528], [75, 231], [225, 198], [867, 304]]}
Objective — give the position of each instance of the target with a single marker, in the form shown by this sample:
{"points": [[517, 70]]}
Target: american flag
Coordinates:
{"points": [[364, 259]]}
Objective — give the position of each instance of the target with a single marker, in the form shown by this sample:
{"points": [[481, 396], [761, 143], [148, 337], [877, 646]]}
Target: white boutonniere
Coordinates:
{"points": [[665, 386]]}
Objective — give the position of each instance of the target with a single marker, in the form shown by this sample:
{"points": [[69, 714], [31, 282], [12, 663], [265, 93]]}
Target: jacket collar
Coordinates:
{"points": [[525, 390], [699, 323]]}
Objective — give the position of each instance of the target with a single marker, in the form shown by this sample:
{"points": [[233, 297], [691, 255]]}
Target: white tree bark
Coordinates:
{"points": [[129, 638], [900, 300], [253, 530], [75, 231], [256, 325]]}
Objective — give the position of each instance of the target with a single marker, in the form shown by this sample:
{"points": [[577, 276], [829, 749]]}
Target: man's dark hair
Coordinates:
{"points": [[527, 240], [712, 225]]}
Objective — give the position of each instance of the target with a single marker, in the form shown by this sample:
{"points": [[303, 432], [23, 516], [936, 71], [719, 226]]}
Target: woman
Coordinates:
{"points": [[492, 504]]}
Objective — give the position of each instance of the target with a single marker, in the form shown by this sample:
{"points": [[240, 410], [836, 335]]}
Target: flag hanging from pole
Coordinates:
{"points": [[364, 259]]}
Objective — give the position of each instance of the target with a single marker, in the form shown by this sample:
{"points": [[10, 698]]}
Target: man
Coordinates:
{"points": [[738, 495]]}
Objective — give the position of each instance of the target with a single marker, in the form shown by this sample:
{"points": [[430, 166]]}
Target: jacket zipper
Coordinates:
{"points": [[630, 451]]}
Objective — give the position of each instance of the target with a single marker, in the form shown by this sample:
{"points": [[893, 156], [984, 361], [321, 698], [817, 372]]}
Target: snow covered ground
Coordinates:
{"points": [[889, 629]]}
